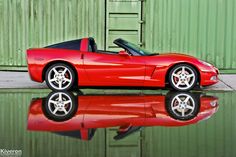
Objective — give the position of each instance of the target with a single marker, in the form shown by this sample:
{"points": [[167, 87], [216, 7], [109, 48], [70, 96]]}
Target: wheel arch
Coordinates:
{"points": [[59, 61], [192, 65]]}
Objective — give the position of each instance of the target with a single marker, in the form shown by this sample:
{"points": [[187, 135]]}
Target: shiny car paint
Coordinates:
{"points": [[102, 111], [101, 69]]}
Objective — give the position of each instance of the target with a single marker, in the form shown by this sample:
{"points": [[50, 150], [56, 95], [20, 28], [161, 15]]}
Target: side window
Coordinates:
{"points": [[133, 53], [90, 48]]}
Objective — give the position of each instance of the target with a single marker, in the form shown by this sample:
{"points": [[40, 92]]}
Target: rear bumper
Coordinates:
{"points": [[209, 77], [35, 67], [35, 72]]}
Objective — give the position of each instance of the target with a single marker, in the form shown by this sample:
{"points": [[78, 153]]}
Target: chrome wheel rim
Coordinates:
{"points": [[183, 77], [60, 77], [183, 105], [60, 104]]}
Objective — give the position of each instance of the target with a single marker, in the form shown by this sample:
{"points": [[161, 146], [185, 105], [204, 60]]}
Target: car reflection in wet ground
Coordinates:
{"points": [[64, 113], [146, 123]]}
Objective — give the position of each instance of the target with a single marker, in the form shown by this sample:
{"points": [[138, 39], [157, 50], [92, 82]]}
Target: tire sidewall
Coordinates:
{"points": [[171, 95], [55, 118], [177, 66], [72, 77]]}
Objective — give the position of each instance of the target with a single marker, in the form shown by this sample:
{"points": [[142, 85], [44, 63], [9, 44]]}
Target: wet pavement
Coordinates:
{"points": [[118, 123]]}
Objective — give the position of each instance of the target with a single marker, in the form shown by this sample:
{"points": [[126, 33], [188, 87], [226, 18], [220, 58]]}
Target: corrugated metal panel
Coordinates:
{"points": [[36, 23], [14, 135], [214, 137], [202, 28]]}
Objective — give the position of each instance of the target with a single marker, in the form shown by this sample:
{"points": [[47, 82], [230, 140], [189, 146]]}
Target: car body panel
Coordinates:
{"points": [[101, 69], [114, 69], [102, 111], [127, 112]]}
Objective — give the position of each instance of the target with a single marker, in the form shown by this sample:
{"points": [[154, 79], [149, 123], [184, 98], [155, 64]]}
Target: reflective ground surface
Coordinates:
{"points": [[118, 123]]}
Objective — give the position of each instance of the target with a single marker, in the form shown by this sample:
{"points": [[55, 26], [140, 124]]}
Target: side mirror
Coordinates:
{"points": [[123, 53]]}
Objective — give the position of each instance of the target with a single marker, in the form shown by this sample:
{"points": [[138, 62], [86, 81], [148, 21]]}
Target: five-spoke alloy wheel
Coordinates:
{"points": [[60, 106], [182, 105], [183, 77], [60, 77]]}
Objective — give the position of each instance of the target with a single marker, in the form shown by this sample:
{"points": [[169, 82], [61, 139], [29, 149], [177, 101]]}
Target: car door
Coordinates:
{"points": [[112, 110], [114, 69]]}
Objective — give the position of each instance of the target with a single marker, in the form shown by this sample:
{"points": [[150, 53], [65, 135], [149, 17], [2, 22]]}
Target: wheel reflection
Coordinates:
{"points": [[60, 106], [66, 113]]}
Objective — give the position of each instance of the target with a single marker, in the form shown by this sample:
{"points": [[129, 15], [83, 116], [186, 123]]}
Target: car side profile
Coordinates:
{"points": [[78, 63], [62, 112]]}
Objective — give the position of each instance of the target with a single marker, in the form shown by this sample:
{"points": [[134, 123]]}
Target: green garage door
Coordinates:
{"points": [[129, 146], [123, 21]]}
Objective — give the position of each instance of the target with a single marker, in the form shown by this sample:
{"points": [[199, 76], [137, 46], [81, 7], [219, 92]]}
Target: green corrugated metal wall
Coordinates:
{"points": [[202, 28], [14, 106], [214, 137], [37, 23]]}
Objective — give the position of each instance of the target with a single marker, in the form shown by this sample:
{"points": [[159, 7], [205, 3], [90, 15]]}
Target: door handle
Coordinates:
{"points": [[82, 56]]}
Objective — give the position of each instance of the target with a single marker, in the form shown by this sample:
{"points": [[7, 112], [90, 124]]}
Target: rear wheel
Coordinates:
{"points": [[183, 77], [60, 77], [60, 106]]}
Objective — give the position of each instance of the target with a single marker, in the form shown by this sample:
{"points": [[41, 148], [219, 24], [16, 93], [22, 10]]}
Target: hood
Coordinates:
{"points": [[167, 59], [175, 54]]}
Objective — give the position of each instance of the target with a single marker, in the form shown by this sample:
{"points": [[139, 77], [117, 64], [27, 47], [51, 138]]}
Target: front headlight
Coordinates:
{"points": [[213, 103], [205, 63]]}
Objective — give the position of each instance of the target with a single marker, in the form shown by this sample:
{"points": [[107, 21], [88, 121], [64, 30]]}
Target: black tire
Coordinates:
{"points": [[193, 80], [59, 117], [53, 85], [176, 113]]}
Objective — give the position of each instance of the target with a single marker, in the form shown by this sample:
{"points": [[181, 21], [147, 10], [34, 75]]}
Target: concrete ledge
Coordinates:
{"points": [[18, 80], [229, 80], [13, 80]]}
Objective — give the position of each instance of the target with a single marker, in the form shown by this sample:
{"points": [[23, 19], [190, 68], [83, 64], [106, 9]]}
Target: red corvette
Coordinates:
{"points": [[62, 112], [79, 63]]}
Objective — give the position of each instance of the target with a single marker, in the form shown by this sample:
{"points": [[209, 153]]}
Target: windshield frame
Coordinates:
{"points": [[132, 48]]}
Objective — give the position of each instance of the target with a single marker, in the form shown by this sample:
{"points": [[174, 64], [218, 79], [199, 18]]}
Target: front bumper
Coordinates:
{"points": [[209, 77]]}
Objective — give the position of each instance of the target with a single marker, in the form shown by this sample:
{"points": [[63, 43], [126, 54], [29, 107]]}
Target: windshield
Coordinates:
{"points": [[139, 49]]}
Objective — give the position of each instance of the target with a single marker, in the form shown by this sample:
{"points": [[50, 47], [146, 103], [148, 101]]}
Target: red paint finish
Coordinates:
{"points": [[116, 110], [113, 69], [103, 69], [84, 44]]}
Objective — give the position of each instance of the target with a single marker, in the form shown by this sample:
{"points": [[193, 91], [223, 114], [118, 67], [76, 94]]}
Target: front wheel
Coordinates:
{"points": [[60, 77], [182, 105], [183, 77]]}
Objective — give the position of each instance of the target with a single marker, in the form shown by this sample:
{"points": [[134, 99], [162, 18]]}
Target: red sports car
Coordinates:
{"points": [[79, 63], [62, 112]]}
